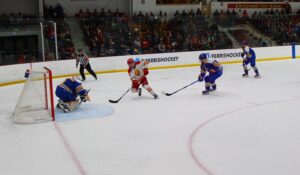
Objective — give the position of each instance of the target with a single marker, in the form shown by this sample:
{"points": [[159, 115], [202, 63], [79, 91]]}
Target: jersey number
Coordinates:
{"points": [[137, 72]]}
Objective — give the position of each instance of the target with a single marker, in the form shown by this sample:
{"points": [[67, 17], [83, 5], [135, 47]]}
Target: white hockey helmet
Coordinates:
{"points": [[247, 49]]}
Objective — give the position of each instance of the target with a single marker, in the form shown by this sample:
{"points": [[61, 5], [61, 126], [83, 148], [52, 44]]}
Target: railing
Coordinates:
{"points": [[19, 20]]}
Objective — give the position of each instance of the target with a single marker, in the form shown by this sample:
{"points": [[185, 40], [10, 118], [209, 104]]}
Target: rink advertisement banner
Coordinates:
{"points": [[66, 68], [255, 6], [251, 7], [163, 59]]}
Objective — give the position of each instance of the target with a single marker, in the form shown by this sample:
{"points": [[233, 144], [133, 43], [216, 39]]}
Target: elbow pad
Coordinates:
{"points": [[146, 71]]}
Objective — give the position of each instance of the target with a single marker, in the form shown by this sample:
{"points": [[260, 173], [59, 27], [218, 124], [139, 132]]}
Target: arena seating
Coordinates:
{"points": [[115, 33]]}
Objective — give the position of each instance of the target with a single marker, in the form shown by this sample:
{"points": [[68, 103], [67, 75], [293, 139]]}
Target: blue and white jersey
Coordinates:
{"points": [[212, 66], [73, 87], [249, 53], [69, 90]]}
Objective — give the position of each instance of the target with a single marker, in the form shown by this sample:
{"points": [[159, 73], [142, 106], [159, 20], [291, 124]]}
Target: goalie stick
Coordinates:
{"points": [[116, 101], [169, 94]]}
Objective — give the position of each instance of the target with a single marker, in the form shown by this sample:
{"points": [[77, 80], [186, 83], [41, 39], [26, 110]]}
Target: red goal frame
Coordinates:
{"points": [[49, 72]]}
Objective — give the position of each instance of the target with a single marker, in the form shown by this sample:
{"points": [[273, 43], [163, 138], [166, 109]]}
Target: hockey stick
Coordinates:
{"points": [[169, 94], [116, 101]]}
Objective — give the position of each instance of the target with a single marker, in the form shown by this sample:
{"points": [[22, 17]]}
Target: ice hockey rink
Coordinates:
{"points": [[247, 127]]}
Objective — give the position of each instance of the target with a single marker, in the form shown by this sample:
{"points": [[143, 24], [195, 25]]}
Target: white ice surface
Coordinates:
{"points": [[248, 127]]}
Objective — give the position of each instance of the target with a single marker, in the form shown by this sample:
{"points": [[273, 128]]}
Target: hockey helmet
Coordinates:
{"points": [[130, 61], [136, 59], [247, 49], [202, 56]]}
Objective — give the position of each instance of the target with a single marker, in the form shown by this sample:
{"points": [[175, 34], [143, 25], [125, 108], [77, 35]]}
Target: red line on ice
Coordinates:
{"points": [[196, 159], [70, 150]]}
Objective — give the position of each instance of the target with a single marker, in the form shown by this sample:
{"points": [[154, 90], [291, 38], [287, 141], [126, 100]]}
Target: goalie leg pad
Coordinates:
{"points": [[64, 106], [74, 105]]}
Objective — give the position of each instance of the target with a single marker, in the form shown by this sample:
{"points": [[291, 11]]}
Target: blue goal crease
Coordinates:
{"points": [[83, 112]]}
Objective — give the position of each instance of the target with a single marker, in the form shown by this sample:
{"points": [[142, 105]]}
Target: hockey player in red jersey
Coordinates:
{"points": [[137, 72]]}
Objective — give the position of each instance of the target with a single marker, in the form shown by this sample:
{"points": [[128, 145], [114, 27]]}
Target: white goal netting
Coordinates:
{"points": [[35, 104]]}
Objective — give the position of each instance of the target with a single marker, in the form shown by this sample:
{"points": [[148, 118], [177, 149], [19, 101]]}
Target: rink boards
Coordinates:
{"points": [[13, 74]]}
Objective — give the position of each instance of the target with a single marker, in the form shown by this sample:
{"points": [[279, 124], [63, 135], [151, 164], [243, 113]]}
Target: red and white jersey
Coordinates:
{"points": [[137, 72]]}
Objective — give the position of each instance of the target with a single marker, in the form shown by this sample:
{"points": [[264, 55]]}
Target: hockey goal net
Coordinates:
{"points": [[35, 104]]}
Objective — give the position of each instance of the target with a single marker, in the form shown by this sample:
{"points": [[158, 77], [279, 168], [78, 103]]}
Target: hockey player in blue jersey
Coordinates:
{"points": [[68, 92], [249, 56], [215, 70]]}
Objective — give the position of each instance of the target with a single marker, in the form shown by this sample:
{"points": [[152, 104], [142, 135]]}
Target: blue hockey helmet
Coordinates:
{"points": [[202, 56]]}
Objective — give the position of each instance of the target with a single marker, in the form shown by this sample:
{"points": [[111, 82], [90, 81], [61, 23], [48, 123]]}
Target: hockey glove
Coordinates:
{"points": [[85, 97], [200, 78]]}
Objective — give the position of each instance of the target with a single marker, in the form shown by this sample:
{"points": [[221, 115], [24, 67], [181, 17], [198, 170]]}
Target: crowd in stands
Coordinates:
{"points": [[18, 20], [116, 33], [106, 33], [65, 45], [112, 33], [54, 13], [25, 19], [280, 24]]}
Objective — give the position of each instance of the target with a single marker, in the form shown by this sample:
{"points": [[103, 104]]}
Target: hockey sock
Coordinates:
{"points": [[149, 89], [246, 70], [207, 86], [214, 86], [134, 90], [255, 70]]}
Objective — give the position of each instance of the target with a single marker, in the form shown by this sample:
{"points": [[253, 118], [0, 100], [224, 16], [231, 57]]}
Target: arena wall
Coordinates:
{"points": [[17, 6], [13, 74]]}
